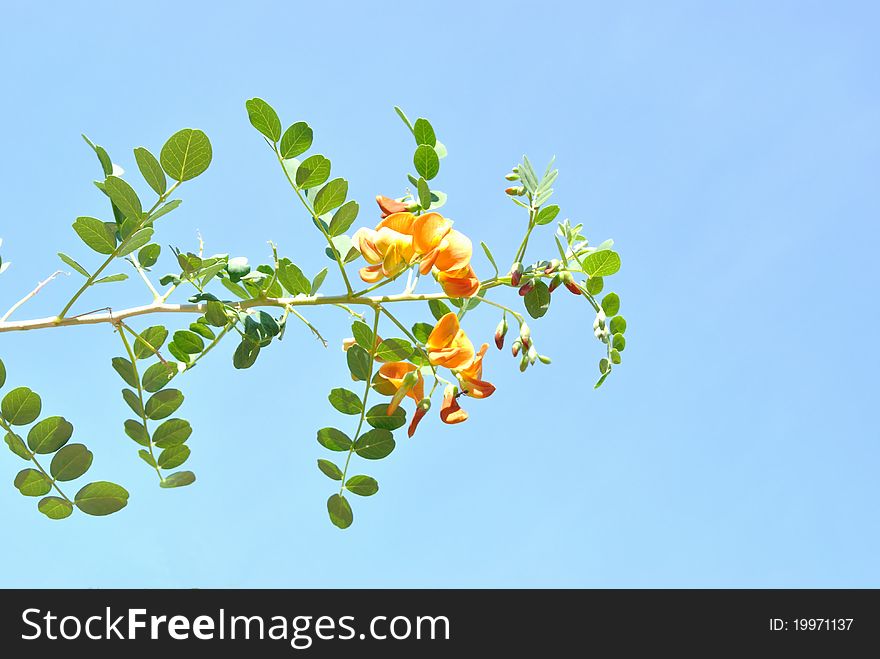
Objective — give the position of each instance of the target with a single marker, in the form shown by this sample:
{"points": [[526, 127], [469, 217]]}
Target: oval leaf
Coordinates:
{"points": [[21, 406], [264, 118], [163, 403], [101, 498], [345, 401], [186, 154], [375, 444], [340, 511], [71, 462], [49, 435], [55, 507]]}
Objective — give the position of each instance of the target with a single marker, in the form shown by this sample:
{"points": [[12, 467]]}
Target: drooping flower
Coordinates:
{"points": [[472, 377], [394, 378], [459, 283], [389, 206], [450, 412]]}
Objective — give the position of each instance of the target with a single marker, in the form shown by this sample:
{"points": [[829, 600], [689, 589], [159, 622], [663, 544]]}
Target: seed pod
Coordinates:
{"points": [[500, 333], [516, 272]]}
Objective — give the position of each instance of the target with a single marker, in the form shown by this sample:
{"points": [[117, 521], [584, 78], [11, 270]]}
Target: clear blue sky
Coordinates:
{"points": [[730, 149]]}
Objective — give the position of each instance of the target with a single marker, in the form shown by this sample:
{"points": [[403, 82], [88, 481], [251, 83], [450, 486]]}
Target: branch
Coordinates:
{"points": [[29, 295]]}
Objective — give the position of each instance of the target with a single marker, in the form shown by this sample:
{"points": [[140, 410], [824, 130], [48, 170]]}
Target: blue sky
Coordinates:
{"points": [[730, 149]]}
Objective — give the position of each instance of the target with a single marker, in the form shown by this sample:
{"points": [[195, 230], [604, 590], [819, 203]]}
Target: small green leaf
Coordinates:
{"points": [[146, 457], [424, 191], [71, 462], [178, 479], [246, 354], [172, 432], [604, 366], [615, 356], [148, 255], [312, 171], [402, 116], [16, 445], [618, 325], [331, 196], [547, 214], [595, 285], [537, 300], [345, 401], [131, 399], [394, 350], [296, 140], [134, 242], [426, 161], [202, 330], [358, 361], [422, 331], [151, 170], [186, 154], [343, 218], [123, 197], [163, 403], [2, 373], [49, 435], [20, 406], [293, 279], [340, 511], [55, 507], [611, 304], [317, 281], [136, 431], [364, 486], [165, 209], [378, 417], [111, 278], [424, 132], [101, 498], [601, 264], [126, 371], [333, 439], [438, 309], [618, 342], [264, 118], [190, 342], [375, 444], [32, 483], [96, 234], [216, 314], [363, 335], [158, 375], [103, 157], [489, 256], [73, 264], [330, 470], [174, 456], [149, 341]]}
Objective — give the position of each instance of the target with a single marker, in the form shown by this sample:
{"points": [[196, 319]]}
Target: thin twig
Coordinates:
{"points": [[29, 295]]}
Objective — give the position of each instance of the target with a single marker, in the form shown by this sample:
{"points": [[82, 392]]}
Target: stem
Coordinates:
{"points": [[113, 255], [29, 296], [309, 325], [140, 393], [516, 315], [360, 425], [320, 226], [211, 345], [33, 458], [382, 283], [143, 274]]}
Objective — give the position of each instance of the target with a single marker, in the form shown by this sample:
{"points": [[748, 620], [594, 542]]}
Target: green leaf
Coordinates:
{"points": [[172, 432], [16, 445], [216, 314], [403, 118], [615, 356], [186, 154], [2, 373], [394, 350], [340, 511], [364, 486], [134, 242], [343, 218], [149, 341], [424, 132], [109, 279], [146, 457], [363, 335], [131, 399], [32, 483], [103, 157], [126, 371], [547, 214], [438, 309], [618, 325], [345, 401], [123, 197], [358, 362], [426, 162], [296, 140], [158, 375], [293, 279], [538, 299], [422, 331], [55, 507], [246, 354], [73, 264], [611, 304], [604, 366], [96, 234], [165, 209], [424, 191], [49, 435], [202, 330], [148, 255], [151, 170], [602, 264], [618, 342], [136, 431], [330, 470], [375, 444], [333, 439], [489, 256], [178, 479], [595, 285], [20, 406], [174, 456], [101, 498], [71, 462], [163, 403], [317, 281], [378, 417], [190, 342], [312, 171], [264, 118], [528, 176]]}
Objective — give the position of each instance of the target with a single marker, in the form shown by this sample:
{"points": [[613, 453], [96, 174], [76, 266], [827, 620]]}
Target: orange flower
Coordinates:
{"points": [[389, 206], [388, 251], [448, 345], [472, 377], [390, 380], [460, 283], [450, 412]]}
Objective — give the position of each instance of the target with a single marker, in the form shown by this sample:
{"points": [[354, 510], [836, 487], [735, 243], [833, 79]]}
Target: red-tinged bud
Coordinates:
{"points": [[573, 287], [555, 282], [525, 333], [421, 410], [527, 288], [516, 273], [515, 347], [553, 265], [389, 206], [512, 176], [500, 333], [516, 191]]}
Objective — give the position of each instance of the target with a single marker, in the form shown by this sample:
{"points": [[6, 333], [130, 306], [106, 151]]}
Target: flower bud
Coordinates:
{"points": [[516, 272], [516, 191], [533, 355], [553, 265], [512, 176], [425, 404], [544, 359], [524, 363], [554, 283], [525, 333], [571, 286], [515, 347], [527, 288], [500, 333], [389, 206]]}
